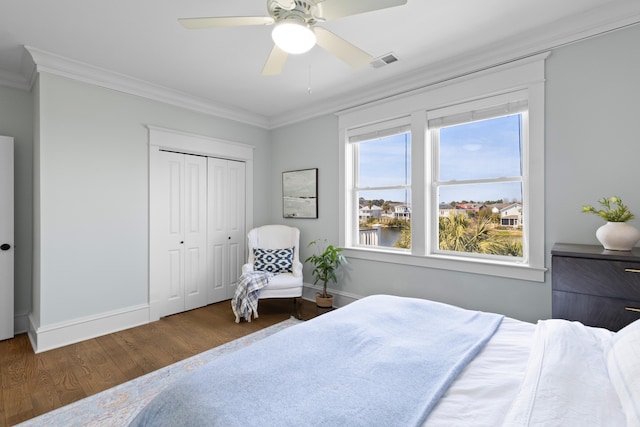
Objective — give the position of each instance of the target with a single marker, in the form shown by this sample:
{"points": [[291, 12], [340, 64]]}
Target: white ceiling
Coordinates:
{"points": [[220, 68]]}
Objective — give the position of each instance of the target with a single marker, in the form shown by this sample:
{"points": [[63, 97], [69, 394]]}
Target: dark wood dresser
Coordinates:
{"points": [[595, 286]]}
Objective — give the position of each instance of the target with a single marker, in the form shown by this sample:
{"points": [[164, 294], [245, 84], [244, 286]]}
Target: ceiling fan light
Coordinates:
{"points": [[293, 37]]}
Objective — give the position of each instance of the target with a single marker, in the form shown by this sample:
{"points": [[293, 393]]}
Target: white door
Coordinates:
{"points": [[182, 265], [226, 224], [6, 237]]}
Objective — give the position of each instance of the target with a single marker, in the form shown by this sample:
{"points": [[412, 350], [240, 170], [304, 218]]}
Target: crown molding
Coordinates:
{"points": [[47, 62], [610, 17]]}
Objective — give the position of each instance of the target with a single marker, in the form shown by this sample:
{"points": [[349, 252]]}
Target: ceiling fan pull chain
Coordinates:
{"points": [[309, 78]]}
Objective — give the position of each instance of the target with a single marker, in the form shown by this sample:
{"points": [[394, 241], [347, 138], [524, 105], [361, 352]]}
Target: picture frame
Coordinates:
{"points": [[300, 193]]}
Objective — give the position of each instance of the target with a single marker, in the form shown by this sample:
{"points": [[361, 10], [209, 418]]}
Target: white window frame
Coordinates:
{"points": [[361, 134], [508, 103], [524, 77]]}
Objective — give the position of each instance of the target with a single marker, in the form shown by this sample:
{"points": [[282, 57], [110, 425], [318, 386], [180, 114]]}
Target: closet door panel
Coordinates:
{"points": [[236, 223], [170, 271], [218, 238], [195, 241], [217, 280], [193, 281], [181, 186], [235, 206], [175, 278], [227, 234], [174, 186]]}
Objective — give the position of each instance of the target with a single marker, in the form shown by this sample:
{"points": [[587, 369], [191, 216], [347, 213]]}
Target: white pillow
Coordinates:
{"points": [[623, 364]]}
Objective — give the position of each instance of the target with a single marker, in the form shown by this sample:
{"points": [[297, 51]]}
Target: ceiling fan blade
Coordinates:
{"points": [[332, 9], [341, 48], [225, 21], [275, 62]]}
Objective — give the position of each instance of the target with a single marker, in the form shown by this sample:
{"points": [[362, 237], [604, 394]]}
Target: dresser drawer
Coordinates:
{"points": [[602, 312], [614, 279]]}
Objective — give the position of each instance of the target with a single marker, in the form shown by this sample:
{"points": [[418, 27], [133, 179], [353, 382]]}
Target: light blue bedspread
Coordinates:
{"points": [[380, 361]]}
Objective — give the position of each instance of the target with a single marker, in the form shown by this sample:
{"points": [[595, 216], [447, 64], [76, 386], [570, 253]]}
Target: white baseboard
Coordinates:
{"points": [[340, 298], [56, 335], [48, 337]]}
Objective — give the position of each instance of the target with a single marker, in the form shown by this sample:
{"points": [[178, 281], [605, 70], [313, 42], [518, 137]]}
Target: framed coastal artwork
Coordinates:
{"points": [[300, 193]]}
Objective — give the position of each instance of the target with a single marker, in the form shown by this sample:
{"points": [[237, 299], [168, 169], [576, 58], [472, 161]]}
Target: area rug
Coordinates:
{"points": [[120, 404]]}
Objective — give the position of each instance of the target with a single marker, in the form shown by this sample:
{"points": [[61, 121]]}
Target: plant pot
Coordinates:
{"points": [[618, 236], [323, 302]]}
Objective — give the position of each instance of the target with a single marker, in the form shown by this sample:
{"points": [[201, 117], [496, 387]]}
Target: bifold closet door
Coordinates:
{"points": [[226, 226], [182, 270], [6, 238]]}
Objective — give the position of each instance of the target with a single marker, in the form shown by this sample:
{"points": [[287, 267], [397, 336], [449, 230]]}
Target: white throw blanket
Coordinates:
{"points": [[245, 299]]}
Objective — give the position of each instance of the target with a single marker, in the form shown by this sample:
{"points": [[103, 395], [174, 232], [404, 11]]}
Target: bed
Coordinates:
{"points": [[394, 361]]}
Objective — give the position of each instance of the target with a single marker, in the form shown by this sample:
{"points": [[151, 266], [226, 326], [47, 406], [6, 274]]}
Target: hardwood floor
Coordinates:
{"points": [[32, 384]]}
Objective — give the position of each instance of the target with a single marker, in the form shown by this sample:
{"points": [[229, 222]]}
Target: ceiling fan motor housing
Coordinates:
{"points": [[302, 11]]}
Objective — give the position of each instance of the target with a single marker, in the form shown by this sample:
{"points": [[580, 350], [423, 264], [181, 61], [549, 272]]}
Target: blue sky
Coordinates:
{"points": [[477, 150]]}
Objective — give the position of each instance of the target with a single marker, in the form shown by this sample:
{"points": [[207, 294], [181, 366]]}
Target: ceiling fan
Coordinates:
{"points": [[295, 29]]}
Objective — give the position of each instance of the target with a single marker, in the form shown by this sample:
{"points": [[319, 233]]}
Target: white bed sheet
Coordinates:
{"points": [[567, 382], [484, 391], [550, 374]]}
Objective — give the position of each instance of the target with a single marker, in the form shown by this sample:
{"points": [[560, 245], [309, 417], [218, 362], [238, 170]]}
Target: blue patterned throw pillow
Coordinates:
{"points": [[273, 260]]}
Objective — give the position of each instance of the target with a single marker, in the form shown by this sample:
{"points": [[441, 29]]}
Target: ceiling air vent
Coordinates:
{"points": [[383, 60]]}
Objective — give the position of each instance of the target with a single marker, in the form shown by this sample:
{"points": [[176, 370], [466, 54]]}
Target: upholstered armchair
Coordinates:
{"points": [[276, 248]]}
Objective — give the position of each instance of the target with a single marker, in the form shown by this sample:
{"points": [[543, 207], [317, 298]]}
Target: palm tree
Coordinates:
{"points": [[452, 233], [480, 238], [458, 233]]}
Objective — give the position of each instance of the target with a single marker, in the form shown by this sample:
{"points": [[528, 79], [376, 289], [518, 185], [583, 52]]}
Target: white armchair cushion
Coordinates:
{"points": [[273, 260], [277, 237]]}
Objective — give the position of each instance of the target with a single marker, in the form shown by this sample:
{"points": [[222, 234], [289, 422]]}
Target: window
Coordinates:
{"points": [[382, 187], [477, 178], [455, 181]]}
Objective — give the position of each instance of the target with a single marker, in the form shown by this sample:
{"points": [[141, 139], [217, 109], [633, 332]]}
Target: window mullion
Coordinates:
{"points": [[355, 207], [431, 175], [390, 187], [419, 200], [478, 181]]}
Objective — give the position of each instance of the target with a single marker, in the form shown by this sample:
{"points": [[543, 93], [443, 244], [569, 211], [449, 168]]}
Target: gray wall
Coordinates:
{"points": [[592, 150], [311, 144], [16, 120], [593, 132], [93, 193]]}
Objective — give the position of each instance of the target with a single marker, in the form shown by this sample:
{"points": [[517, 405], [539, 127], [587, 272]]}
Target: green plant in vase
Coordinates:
{"points": [[616, 234], [326, 260]]}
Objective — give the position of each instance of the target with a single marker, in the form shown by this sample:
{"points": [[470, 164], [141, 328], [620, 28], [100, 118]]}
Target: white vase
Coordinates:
{"points": [[618, 236]]}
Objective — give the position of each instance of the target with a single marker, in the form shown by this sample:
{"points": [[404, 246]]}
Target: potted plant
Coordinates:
{"points": [[615, 235], [325, 263]]}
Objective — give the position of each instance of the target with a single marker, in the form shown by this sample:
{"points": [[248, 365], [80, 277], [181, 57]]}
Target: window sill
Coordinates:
{"points": [[442, 262]]}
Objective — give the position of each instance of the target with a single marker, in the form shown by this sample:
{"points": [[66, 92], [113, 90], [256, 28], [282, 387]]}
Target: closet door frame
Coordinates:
{"points": [[7, 256], [187, 143]]}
